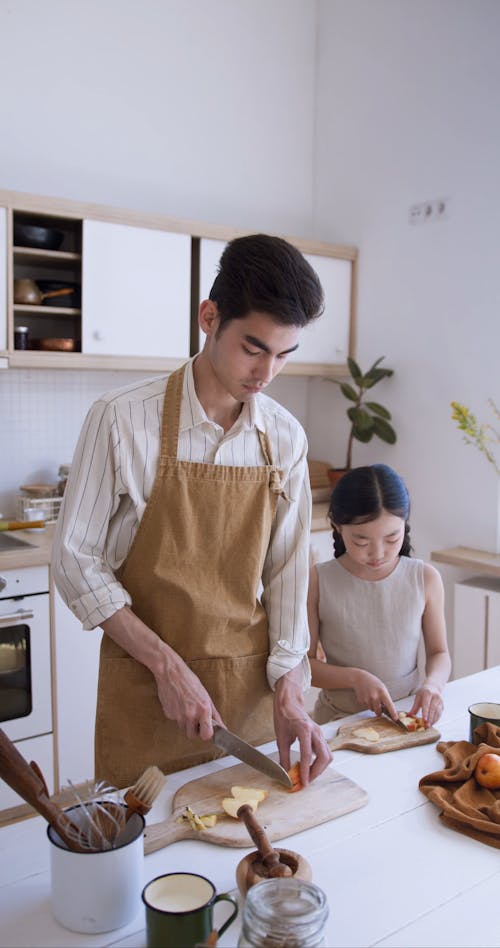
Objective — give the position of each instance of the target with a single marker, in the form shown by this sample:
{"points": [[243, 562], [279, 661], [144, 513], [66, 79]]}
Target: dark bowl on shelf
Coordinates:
{"points": [[43, 238]]}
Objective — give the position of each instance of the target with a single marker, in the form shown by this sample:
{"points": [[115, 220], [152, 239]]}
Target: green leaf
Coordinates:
{"points": [[363, 434], [384, 431], [354, 369], [371, 378], [360, 418], [378, 409], [349, 392]]}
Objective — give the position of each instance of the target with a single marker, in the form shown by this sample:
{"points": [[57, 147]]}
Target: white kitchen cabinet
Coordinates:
{"points": [[325, 341], [136, 291], [476, 632], [3, 279], [321, 546], [39, 749], [77, 666]]}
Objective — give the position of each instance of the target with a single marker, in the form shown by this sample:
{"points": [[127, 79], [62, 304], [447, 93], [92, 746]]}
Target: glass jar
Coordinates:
{"points": [[62, 478], [21, 337], [284, 913]]}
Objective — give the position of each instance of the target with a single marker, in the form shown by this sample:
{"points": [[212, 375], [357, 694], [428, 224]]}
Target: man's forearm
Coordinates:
{"points": [[136, 638]]}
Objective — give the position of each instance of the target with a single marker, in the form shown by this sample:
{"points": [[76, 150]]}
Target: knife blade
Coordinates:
{"points": [[398, 723], [232, 744]]}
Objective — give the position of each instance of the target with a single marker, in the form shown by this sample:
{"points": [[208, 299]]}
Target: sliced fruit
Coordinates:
{"points": [[231, 805], [246, 792], [367, 734], [294, 774], [209, 820]]}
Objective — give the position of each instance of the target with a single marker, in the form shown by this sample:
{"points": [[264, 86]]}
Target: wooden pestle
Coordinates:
{"points": [[270, 857]]}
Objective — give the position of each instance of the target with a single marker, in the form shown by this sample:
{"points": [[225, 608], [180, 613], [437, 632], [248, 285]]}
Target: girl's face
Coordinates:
{"points": [[372, 548]]}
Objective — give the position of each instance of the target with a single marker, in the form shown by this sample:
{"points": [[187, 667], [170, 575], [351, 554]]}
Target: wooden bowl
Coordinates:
{"points": [[39, 490], [57, 345], [250, 870]]}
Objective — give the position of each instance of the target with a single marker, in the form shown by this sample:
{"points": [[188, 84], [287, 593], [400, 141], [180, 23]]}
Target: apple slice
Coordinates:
{"points": [[231, 805], [246, 792]]}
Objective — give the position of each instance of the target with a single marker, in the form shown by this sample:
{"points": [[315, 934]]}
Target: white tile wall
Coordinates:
{"points": [[42, 411]]}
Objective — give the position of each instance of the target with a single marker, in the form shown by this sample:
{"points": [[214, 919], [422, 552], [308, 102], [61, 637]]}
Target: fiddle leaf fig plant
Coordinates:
{"points": [[368, 418]]}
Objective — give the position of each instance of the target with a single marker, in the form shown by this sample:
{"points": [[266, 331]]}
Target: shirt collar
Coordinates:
{"points": [[193, 414]]}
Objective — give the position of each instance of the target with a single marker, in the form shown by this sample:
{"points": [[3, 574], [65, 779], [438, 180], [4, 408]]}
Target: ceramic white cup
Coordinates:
{"points": [[97, 892], [34, 513]]}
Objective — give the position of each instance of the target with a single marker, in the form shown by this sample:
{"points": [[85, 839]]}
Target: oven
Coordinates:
{"points": [[26, 669]]}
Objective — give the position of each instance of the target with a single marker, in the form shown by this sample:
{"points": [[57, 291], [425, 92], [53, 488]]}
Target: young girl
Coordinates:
{"points": [[369, 606]]}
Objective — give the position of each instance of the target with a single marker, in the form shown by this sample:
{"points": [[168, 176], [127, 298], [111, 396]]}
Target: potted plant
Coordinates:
{"points": [[368, 418]]}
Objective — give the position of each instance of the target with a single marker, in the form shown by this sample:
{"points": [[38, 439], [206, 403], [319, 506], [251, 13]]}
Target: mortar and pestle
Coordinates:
{"points": [[266, 862]]}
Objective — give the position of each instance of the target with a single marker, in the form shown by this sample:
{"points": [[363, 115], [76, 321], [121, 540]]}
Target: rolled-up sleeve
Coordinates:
{"points": [[83, 560]]}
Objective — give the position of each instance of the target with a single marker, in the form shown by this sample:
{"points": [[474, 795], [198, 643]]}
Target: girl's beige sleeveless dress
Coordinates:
{"points": [[376, 626]]}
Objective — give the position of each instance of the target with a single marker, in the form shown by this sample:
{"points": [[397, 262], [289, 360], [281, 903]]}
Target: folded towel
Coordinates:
{"points": [[466, 806]]}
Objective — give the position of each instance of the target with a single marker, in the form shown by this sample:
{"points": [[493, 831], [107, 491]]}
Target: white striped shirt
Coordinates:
{"points": [[111, 479]]}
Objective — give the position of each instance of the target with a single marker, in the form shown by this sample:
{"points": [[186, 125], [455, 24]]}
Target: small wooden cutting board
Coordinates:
{"points": [[392, 738], [282, 813]]}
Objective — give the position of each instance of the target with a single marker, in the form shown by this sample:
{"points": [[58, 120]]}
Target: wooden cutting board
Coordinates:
{"points": [[282, 813], [392, 738]]}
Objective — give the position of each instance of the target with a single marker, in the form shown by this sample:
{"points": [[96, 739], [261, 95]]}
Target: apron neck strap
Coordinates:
{"points": [[171, 414]]}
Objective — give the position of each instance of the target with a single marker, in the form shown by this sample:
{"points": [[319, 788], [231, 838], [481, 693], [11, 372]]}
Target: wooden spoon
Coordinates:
{"points": [[27, 782]]}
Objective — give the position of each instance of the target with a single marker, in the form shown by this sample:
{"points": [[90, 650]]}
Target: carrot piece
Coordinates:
{"points": [[294, 774]]}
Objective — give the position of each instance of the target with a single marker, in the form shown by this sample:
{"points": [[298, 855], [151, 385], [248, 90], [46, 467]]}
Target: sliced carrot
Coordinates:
{"points": [[294, 774]]}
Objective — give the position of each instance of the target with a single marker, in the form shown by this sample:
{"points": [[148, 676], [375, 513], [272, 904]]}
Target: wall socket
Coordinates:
{"points": [[435, 210]]}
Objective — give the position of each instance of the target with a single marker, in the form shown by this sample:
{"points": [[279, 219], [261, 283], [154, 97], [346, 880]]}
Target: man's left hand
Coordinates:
{"points": [[291, 722]]}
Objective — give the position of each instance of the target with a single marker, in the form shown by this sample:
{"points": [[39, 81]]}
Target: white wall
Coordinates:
{"points": [[408, 98], [194, 109]]}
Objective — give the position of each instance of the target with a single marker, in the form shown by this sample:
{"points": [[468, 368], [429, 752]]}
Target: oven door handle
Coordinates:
{"points": [[20, 616]]}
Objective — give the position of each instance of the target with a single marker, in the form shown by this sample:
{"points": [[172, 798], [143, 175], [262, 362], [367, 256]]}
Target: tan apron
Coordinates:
{"points": [[193, 572]]}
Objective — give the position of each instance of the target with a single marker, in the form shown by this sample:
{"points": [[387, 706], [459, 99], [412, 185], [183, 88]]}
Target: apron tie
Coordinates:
{"points": [[276, 485]]}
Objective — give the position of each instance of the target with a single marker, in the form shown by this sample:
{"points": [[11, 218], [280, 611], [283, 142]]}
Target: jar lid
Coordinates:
{"points": [[21, 329], [64, 470]]}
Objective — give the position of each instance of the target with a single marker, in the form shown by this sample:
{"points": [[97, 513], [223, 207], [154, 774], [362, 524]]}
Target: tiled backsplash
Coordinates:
{"points": [[42, 412]]}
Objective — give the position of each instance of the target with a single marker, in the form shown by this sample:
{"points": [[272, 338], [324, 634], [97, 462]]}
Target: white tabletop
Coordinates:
{"points": [[392, 873]]}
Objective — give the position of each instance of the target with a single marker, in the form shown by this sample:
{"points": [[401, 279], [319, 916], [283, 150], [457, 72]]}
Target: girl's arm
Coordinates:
{"points": [[437, 657], [370, 691]]}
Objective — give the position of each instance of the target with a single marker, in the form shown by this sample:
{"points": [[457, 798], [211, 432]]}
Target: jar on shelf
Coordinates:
{"points": [[284, 913], [21, 337]]}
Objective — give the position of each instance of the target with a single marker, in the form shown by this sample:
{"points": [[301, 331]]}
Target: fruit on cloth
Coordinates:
{"points": [[240, 795], [487, 771], [294, 774]]}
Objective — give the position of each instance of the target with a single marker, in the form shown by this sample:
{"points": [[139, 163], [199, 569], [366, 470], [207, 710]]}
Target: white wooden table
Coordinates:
{"points": [[393, 874]]}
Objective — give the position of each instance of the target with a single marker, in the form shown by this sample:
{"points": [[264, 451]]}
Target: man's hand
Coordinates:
{"points": [[186, 701], [291, 722]]}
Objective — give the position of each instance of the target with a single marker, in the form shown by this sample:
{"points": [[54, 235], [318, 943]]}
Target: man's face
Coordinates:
{"points": [[249, 352]]}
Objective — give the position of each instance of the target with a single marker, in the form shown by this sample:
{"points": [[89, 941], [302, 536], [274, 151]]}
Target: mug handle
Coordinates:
{"points": [[225, 897]]}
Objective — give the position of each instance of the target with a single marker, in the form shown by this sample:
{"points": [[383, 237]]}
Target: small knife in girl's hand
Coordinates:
{"points": [[398, 723]]}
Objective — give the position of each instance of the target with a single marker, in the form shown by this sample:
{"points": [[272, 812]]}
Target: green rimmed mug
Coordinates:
{"points": [[480, 713], [179, 910]]}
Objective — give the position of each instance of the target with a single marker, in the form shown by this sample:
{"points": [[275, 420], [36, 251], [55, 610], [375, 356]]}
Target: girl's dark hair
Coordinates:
{"points": [[362, 494], [268, 275]]}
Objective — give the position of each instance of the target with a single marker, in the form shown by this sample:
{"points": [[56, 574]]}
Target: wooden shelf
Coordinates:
{"points": [[37, 257], [31, 310], [466, 558]]}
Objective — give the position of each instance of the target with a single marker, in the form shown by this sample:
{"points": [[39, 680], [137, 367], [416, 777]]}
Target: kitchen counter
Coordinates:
{"points": [[36, 552], [394, 875]]}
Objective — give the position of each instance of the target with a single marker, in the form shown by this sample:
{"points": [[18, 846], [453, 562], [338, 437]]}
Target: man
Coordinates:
{"points": [[184, 534]]}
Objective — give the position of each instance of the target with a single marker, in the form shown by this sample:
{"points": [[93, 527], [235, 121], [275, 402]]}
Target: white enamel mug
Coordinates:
{"points": [[97, 892]]}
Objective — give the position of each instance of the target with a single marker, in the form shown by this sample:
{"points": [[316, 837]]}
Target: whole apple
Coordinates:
{"points": [[487, 771]]}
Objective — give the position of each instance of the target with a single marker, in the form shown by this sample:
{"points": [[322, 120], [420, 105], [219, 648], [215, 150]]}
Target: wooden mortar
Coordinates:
{"points": [[251, 870]]}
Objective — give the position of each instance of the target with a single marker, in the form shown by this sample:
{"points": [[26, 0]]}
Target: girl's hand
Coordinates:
{"points": [[371, 693], [429, 702]]}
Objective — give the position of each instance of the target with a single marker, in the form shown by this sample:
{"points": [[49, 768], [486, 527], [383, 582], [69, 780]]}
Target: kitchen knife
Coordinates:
{"points": [[398, 723], [231, 744]]}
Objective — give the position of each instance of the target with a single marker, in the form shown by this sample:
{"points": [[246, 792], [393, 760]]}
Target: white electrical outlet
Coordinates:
{"points": [[435, 210]]}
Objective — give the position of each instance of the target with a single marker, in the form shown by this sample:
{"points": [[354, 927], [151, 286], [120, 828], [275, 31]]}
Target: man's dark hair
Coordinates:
{"points": [[268, 275]]}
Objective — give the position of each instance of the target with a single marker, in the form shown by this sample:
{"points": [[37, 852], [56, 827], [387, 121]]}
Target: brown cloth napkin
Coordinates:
{"points": [[466, 806]]}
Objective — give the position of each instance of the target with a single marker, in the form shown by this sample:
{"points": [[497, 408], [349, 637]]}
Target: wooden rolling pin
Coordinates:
{"points": [[21, 524]]}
